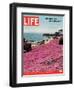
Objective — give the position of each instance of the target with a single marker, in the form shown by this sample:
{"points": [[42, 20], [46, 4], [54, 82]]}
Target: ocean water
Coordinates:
{"points": [[34, 36]]}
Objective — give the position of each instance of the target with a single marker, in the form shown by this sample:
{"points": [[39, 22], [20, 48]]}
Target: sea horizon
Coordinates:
{"points": [[34, 36]]}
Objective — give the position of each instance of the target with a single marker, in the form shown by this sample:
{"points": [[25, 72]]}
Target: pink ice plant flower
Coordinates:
{"points": [[45, 57]]}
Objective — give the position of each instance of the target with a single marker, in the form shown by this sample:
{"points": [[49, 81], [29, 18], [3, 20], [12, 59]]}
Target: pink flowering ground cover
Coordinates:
{"points": [[44, 59]]}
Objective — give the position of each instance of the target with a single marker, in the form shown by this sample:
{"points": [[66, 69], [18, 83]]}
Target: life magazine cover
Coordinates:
{"points": [[42, 44]]}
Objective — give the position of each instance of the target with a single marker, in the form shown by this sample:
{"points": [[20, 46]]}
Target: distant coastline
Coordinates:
{"points": [[34, 37]]}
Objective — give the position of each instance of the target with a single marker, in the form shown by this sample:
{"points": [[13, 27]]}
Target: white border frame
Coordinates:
{"points": [[42, 78]]}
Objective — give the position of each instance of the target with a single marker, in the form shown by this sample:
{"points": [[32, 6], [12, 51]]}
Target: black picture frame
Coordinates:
{"points": [[13, 44]]}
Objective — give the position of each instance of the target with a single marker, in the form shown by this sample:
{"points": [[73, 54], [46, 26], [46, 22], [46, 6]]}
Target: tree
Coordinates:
{"points": [[56, 33]]}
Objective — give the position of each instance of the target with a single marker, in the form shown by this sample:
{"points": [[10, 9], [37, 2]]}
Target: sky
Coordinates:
{"points": [[46, 25]]}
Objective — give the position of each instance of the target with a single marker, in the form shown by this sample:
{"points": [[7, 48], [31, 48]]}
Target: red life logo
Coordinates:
{"points": [[31, 21]]}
